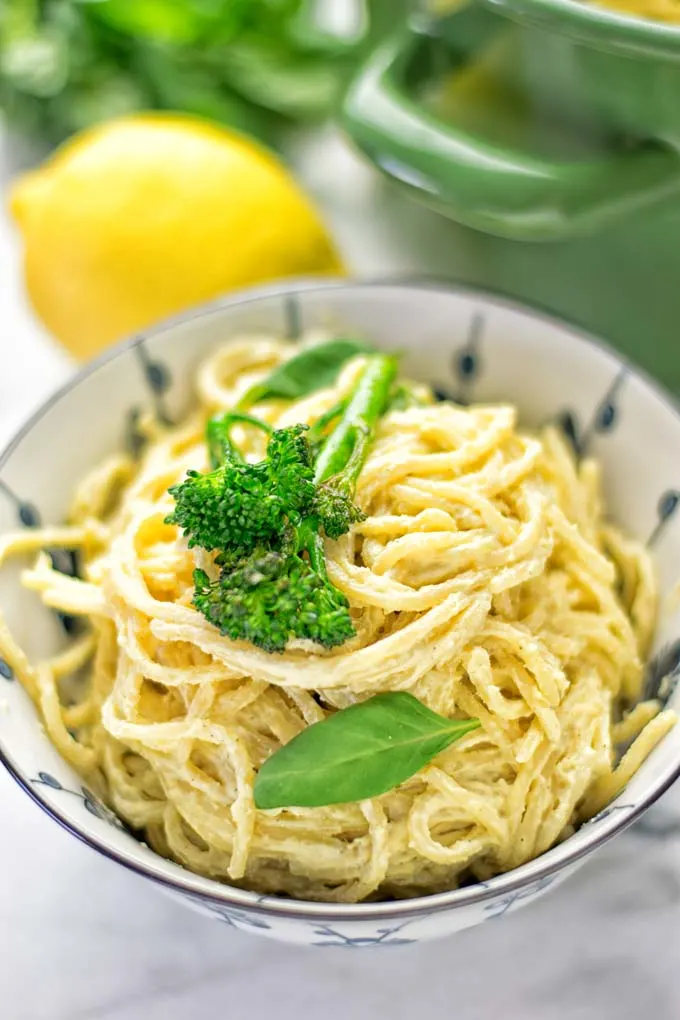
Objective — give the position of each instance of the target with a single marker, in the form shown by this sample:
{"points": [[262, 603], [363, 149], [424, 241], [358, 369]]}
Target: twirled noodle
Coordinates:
{"points": [[483, 580]]}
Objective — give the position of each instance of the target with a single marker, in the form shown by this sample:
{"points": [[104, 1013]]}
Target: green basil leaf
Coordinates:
{"points": [[310, 370], [359, 752]]}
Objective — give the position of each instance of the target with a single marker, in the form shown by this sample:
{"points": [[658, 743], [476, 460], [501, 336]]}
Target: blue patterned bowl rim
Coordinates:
{"points": [[536, 872]]}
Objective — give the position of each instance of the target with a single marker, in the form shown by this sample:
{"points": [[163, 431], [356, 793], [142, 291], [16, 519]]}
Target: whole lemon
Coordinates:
{"points": [[144, 216]]}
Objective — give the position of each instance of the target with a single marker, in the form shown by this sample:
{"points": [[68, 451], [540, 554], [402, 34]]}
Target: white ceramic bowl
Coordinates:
{"points": [[469, 345]]}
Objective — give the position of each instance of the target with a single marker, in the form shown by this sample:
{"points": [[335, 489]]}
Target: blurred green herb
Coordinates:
{"points": [[252, 64]]}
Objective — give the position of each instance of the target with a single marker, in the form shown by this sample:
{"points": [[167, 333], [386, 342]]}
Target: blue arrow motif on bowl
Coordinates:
{"points": [[603, 419], [663, 672], [63, 560], [497, 908], [91, 803], [467, 359], [292, 317], [666, 508], [157, 377], [330, 938]]}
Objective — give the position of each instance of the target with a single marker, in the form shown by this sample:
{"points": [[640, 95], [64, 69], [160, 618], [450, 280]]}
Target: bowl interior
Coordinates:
{"points": [[470, 346]]}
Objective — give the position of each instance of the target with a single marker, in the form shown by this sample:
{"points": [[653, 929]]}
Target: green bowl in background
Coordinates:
{"points": [[554, 144]]}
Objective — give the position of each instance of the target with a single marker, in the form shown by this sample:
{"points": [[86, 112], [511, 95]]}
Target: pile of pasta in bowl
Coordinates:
{"points": [[343, 640]]}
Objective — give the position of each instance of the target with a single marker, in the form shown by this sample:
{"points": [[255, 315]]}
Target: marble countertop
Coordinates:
{"points": [[81, 939]]}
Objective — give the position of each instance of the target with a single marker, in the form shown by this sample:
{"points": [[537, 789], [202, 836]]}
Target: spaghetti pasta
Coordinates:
{"points": [[483, 580]]}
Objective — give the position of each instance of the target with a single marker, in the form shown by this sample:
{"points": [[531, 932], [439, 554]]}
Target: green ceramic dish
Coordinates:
{"points": [[609, 205], [616, 79], [594, 25]]}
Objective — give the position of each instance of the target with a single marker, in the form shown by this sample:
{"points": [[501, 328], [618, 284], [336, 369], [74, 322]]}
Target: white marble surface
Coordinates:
{"points": [[80, 939]]}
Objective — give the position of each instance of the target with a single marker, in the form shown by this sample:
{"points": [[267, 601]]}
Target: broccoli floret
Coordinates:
{"points": [[230, 504], [239, 505], [270, 597], [334, 501], [290, 467], [335, 507], [265, 520]]}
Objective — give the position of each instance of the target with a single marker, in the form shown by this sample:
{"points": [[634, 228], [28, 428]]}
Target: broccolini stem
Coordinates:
{"points": [[251, 396], [220, 446], [309, 540], [352, 468], [317, 430], [367, 403]]}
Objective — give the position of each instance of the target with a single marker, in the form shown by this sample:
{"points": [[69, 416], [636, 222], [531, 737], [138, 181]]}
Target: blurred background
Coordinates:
{"points": [[192, 135], [255, 65], [157, 153]]}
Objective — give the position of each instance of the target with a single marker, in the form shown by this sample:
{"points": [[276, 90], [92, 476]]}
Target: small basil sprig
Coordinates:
{"points": [[310, 370], [359, 752]]}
